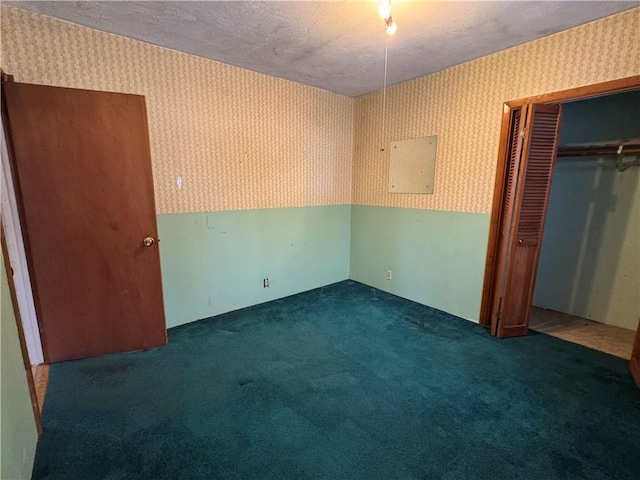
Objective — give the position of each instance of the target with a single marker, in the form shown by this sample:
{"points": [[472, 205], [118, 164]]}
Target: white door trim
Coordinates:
{"points": [[18, 258]]}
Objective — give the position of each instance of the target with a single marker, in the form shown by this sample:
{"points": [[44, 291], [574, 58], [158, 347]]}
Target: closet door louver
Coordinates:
{"points": [[516, 140], [532, 156], [514, 163]]}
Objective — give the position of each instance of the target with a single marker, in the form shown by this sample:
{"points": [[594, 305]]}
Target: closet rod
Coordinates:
{"points": [[599, 150]]}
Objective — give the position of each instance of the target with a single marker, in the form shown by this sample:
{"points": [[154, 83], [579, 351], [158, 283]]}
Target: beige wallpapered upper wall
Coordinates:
{"points": [[239, 139], [463, 107]]}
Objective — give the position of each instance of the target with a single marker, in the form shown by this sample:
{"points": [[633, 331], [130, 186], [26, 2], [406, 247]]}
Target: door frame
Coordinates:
{"points": [[578, 93], [18, 257], [15, 246], [634, 363]]}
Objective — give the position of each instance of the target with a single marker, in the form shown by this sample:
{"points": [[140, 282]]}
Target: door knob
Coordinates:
{"points": [[148, 241]]}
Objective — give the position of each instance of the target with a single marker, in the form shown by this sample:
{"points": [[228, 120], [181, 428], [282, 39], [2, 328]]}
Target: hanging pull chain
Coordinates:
{"points": [[384, 93]]}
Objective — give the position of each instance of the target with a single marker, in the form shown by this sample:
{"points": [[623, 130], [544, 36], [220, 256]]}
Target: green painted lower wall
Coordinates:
{"points": [[215, 262], [437, 258], [18, 428]]}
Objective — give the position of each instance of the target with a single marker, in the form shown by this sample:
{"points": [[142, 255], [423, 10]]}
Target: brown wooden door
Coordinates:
{"points": [[82, 168], [532, 153]]}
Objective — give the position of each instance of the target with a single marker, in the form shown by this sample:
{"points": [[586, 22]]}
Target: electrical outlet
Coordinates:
{"points": [[265, 283], [389, 274]]}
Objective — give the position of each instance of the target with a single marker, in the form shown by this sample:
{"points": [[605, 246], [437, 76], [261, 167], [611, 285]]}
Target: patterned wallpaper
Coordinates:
{"points": [[244, 140], [463, 106], [239, 139]]}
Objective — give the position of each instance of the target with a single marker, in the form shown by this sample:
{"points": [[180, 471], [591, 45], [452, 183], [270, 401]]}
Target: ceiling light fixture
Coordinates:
{"points": [[384, 9], [392, 27]]}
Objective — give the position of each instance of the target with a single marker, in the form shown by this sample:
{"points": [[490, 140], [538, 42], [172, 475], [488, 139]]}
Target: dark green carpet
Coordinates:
{"points": [[343, 382]]}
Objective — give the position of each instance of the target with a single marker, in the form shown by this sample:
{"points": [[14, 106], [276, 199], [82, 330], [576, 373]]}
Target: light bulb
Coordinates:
{"points": [[384, 9], [392, 27]]}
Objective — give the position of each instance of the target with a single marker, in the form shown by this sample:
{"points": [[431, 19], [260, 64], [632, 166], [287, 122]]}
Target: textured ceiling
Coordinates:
{"points": [[337, 46]]}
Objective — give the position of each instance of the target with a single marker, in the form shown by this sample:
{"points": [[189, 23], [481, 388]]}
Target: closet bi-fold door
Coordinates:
{"points": [[532, 154]]}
